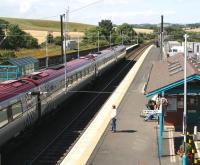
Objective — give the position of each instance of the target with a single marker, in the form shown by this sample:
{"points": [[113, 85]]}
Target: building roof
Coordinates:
{"points": [[170, 73], [22, 61]]}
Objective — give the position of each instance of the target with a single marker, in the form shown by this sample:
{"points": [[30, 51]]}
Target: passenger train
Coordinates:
{"points": [[27, 99]]}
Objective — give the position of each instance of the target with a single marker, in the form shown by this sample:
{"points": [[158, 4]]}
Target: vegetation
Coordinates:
{"points": [[53, 50], [6, 54], [104, 28], [127, 31], [122, 33], [20, 43], [1, 34], [57, 40], [16, 38], [177, 33]]}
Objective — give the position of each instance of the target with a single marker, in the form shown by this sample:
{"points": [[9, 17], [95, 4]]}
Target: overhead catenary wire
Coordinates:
{"points": [[72, 11]]}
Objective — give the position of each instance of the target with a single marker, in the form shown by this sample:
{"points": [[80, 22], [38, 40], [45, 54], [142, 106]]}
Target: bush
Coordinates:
{"points": [[102, 43], [57, 40], [6, 54], [188, 148]]}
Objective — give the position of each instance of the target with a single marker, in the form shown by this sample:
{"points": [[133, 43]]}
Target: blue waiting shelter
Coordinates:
{"points": [[16, 67]]}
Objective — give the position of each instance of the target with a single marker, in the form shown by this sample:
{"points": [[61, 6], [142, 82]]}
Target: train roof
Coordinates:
{"points": [[50, 73], [11, 88]]}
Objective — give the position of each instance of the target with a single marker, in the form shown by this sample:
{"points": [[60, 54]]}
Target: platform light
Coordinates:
{"points": [[184, 157]]}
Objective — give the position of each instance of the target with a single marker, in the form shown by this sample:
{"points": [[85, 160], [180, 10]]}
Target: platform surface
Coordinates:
{"points": [[135, 142]]}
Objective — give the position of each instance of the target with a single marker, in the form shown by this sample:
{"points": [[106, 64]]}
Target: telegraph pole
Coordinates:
{"points": [[61, 33], [161, 38]]}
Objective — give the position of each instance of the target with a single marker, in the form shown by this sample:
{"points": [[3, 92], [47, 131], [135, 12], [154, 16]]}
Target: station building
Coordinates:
{"points": [[167, 78], [16, 67]]}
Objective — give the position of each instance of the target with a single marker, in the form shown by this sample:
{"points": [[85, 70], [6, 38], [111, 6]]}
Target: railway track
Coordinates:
{"points": [[50, 142]]}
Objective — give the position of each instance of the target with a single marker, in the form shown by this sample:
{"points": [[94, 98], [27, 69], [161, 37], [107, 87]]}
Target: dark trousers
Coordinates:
{"points": [[113, 124]]}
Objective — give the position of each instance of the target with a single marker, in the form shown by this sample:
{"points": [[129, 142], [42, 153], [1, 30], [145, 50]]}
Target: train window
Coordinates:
{"points": [[70, 80], [74, 77], [83, 73], [91, 69], [86, 71], [16, 109], [79, 75], [3, 117]]}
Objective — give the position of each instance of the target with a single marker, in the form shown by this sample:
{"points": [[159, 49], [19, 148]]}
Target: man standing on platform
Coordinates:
{"points": [[113, 118]]}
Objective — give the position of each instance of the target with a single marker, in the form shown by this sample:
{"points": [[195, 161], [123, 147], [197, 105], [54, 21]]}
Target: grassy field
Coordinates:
{"points": [[41, 35], [52, 51], [196, 30], [147, 31], [46, 25]]}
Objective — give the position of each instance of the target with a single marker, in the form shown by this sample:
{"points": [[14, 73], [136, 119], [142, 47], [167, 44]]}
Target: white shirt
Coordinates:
{"points": [[113, 113]]}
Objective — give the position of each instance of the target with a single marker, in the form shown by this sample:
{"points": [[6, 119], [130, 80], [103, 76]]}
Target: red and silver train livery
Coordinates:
{"points": [[28, 99]]}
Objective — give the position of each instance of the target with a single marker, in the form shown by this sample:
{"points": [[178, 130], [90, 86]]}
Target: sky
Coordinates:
{"points": [[93, 11]]}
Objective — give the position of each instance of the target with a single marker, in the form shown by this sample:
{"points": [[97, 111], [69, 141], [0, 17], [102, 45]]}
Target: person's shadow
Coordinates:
{"points": [[126, 131]]}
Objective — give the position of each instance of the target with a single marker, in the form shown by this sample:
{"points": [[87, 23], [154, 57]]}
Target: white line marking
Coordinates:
{"points": [[173, 152], [171, 146]]}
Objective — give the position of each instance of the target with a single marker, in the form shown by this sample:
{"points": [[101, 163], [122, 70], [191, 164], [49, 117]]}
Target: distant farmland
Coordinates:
{"points": [[46, 25], [39, 28], [140, 30], [41, 35], [196, 30]]}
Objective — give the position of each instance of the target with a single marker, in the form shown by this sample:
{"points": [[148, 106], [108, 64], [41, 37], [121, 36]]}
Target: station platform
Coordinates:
{"points": [[136, 141]]}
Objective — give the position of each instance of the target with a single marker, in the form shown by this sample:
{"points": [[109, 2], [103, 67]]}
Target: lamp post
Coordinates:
{"points": [[47, 57], [110, 38], [65, 36], [184, 158], [98, 41], [161, 128], [122, 38], [78, 48]]}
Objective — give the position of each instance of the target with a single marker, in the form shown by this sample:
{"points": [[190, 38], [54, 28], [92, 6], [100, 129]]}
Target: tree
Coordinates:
{"points": [[57, 40], [91, 35], [127, 31], [105, 27], [1, 34], [30, 42], [19, 39], [175, 32], [3, 27], [50, 38]]}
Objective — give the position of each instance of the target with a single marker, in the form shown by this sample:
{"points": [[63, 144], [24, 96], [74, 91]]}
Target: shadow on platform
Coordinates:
{"points": [[126, 131]]}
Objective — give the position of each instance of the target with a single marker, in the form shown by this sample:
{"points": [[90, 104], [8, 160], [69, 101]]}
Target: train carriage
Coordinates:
{"points": [[19, 108]]}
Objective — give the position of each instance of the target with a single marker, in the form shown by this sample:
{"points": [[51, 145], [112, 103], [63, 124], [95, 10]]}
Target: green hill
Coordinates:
{"points": [[46, 25]]}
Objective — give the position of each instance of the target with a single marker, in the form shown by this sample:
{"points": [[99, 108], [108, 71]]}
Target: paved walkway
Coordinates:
{"points": [[135, 142]]}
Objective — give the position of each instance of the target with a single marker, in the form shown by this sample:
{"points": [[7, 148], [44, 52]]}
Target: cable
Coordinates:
{"points": [[83, 7], [75, 10]]}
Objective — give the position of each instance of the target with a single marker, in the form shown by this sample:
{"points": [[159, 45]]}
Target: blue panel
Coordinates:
{"points": [[23, 61]]}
